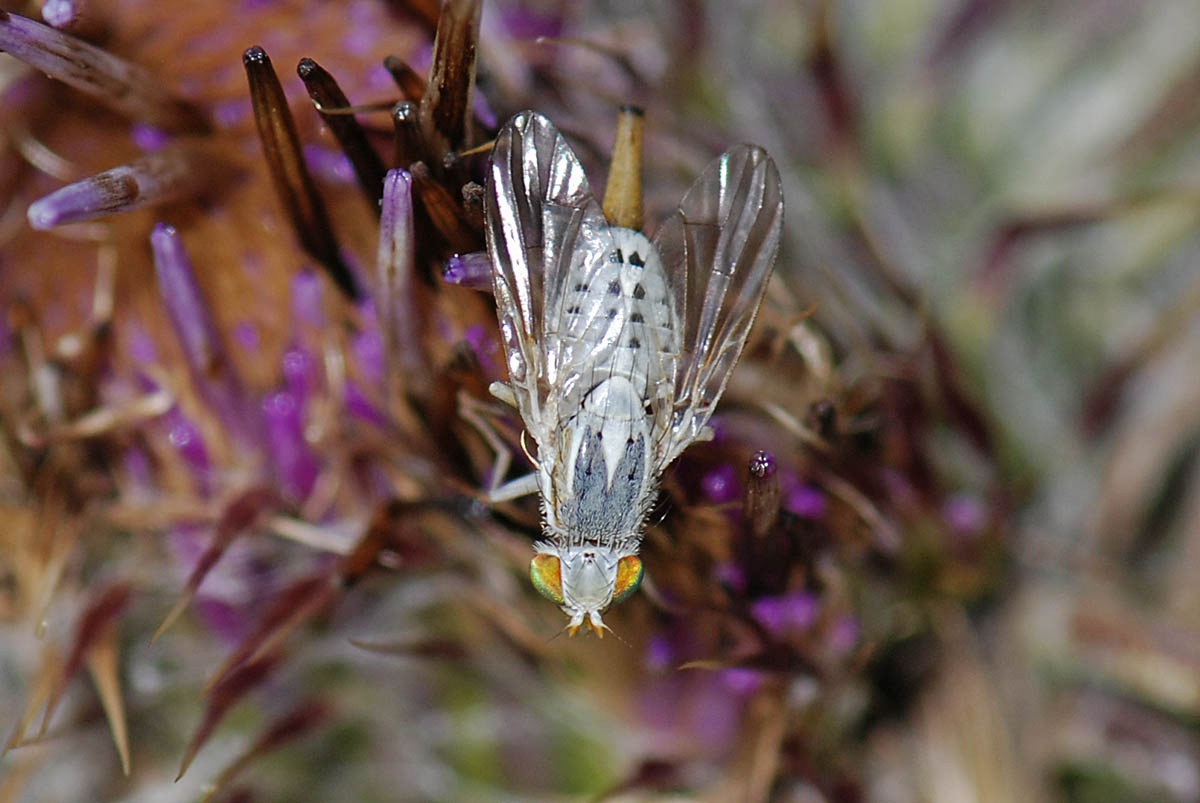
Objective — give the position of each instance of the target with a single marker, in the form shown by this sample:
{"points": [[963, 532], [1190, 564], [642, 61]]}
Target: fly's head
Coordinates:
{"points": [[584, 579]]}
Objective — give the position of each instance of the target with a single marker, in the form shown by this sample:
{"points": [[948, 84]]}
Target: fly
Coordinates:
{"points": [[618, 345]]}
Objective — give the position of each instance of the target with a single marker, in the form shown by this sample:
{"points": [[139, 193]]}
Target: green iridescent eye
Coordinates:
{"points": [[546, 573], [629, 577]]}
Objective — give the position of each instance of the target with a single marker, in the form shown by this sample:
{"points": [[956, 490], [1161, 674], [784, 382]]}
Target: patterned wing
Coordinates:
{"points": [[546, 235], [719, 249]]}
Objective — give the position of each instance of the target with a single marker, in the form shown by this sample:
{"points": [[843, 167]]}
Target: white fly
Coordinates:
{"points": [[618, 346]]}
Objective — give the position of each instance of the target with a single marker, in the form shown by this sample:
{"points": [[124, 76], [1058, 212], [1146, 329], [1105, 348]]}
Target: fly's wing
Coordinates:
{"points": [[718, 250], [546, 235]]}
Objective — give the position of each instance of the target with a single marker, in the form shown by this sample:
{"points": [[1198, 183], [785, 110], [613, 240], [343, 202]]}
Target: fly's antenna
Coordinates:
{"points": [[623, 194]]}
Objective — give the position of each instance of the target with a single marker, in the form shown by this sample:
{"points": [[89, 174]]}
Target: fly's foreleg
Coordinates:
{"points": [[476, 413]]}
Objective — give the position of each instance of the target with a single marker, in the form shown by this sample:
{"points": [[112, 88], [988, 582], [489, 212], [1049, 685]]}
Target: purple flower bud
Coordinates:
{"points": [[295, 465], [472, 270], [156, 178]]}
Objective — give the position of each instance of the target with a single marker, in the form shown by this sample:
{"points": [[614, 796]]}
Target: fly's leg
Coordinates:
{"points": [[474, 412]]}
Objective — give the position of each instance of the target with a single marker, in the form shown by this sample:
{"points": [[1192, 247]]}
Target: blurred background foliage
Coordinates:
{"points": [[966, 569]]}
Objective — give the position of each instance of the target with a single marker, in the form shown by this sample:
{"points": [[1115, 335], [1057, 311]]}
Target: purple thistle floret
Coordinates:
{"points": [[296, 466], [806, 501], [156, 178], [790, 612], [299, 372], [307, 303], [473, 270], [329, 165], [361, 408], [185, 437], [62, 14], [742, 682], [965, 514], [844, 635], [720, 485], [368, 353], [119, 84], [197, 333], [147, 137], [395, 279], [188, 310]]}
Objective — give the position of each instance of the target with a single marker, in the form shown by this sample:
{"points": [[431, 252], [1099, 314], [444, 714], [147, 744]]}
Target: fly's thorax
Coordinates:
{"points": [[584, 579]]}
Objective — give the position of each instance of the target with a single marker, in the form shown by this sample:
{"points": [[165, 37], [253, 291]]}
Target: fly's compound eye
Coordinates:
{"points": [[629, 577], [546, 573]]}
